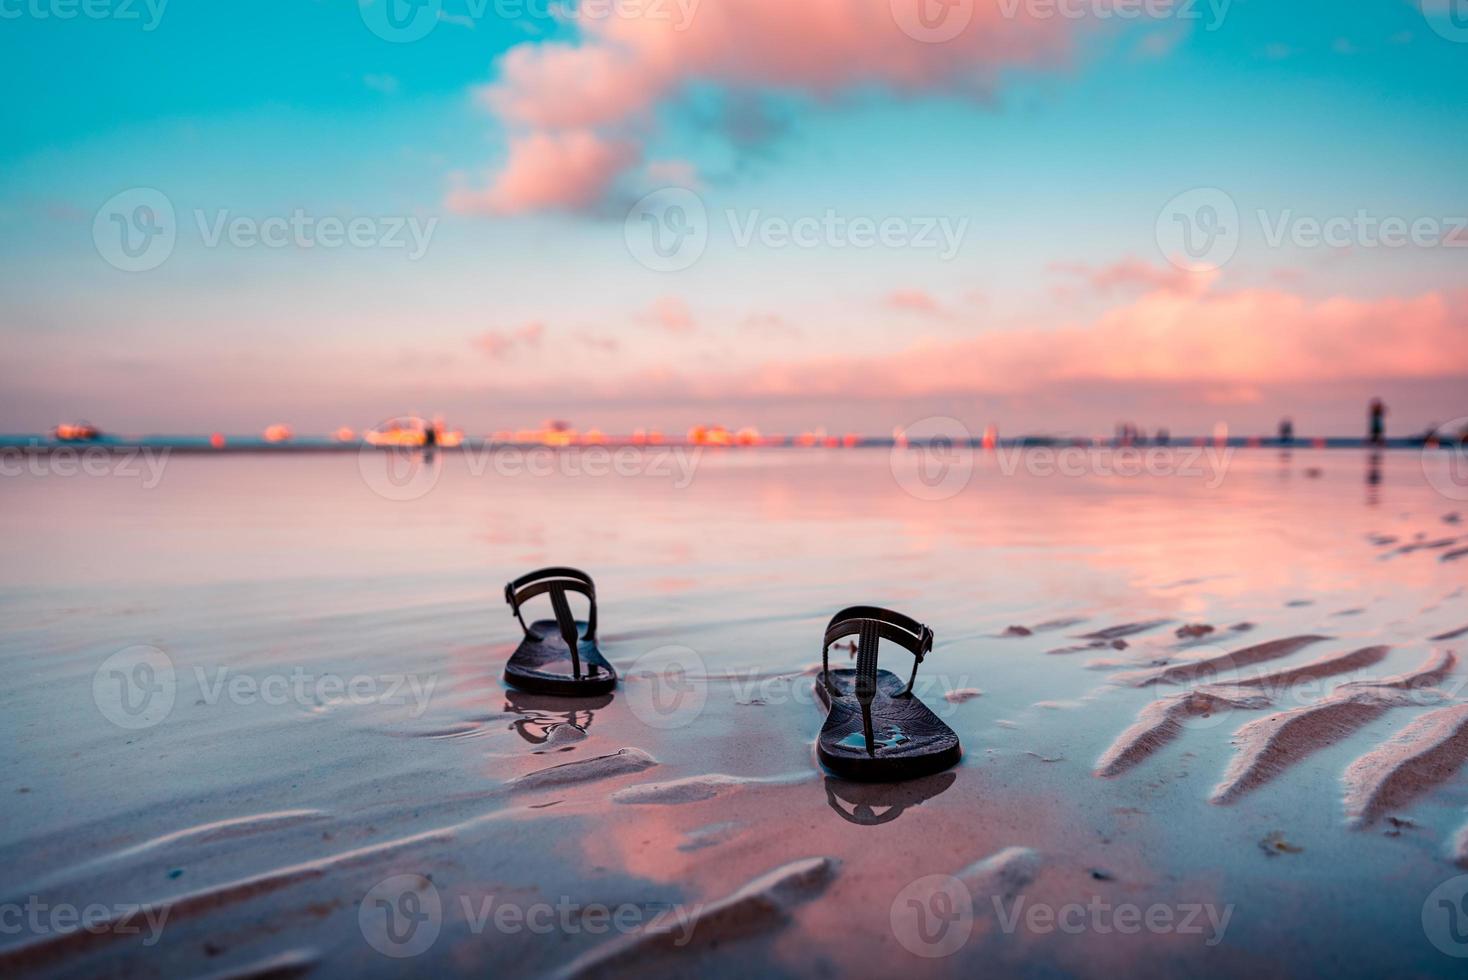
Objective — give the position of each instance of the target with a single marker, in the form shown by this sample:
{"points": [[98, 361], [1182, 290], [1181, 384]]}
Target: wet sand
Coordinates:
{"points": [[1307, 776]]}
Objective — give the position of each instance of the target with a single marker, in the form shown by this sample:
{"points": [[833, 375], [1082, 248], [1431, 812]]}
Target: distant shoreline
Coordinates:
{"points": [[44, 445]]}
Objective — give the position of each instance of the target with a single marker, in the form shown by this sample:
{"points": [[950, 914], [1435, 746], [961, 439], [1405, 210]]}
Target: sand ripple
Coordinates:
{"points": [[1194, 669], [760, 906], [1270, 745], [1162, 721], [1327, 666], [618, 763], [695, 788], [1422, 755]]}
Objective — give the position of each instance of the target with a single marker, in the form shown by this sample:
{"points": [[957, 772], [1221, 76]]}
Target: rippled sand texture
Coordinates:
{"points": [[1255, 709]]}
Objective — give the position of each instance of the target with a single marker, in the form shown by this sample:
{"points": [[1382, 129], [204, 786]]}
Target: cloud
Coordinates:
{"points": [[386, 84], [596, 98], [768, 326], [913, 301], [553, 170], [499, 345], [1209, 339], [1133, 273], [600, 343], [671, 314]]}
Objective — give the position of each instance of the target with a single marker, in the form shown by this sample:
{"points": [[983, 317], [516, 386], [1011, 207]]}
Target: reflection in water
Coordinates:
{"points": [[858, 803], [542, 714], [1373, 478]]}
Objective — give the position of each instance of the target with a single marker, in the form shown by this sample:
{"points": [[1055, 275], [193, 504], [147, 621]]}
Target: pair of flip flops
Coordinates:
{"points": [[876, 729]]}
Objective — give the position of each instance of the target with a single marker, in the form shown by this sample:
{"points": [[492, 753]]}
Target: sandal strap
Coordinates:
{"points": [[567, 622], [873, 623], [556, 581]]}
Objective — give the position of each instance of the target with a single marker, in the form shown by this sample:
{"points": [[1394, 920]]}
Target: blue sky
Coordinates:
{"points": [[1303, 108]]}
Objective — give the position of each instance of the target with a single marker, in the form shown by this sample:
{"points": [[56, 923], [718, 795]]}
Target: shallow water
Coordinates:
{"points": [[334, 719]]}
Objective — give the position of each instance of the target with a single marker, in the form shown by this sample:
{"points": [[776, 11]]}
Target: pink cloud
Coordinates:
{"points": [[672, 314], [913, 301], [556, 170], [1133, 273], [499, 344], [606, 86], [600, 343], [1226, 342], [768, 326]]}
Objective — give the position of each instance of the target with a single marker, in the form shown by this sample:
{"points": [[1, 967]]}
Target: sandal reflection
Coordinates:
{"points": [[858, 803], [541, 714]]}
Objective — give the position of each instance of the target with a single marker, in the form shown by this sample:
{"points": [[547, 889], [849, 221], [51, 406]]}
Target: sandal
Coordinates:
{"points": [[558, 656], [876, 729]]}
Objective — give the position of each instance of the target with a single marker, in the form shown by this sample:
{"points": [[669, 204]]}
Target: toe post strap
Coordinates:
{"points": [[873, 624], [556, 581]]}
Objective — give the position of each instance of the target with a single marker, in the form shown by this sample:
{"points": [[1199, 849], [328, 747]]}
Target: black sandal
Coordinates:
{"points": [[877, 730], [558, 656]]}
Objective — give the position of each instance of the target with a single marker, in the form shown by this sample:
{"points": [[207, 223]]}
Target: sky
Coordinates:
{"points": [[1046, 215]]}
